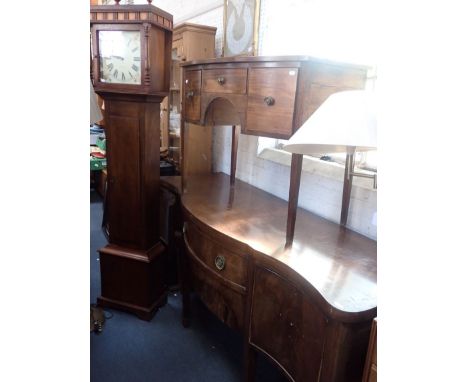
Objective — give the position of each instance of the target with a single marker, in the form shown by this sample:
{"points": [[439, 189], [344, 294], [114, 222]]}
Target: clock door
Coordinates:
{"points": [[123, 196]]}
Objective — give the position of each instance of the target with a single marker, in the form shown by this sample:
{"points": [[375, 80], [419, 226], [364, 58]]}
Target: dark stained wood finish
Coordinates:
{"points": [[132, 134], [324, 284], [346, 279], [171, 228], [306, 303], [130, 279], [234, 146], [295, 96], [277, 116], [370, 368], [133, 263], [298, 326], [294, 185], [225, 81], [347, 185], [192, 90], [234, 274], [155, 27]]}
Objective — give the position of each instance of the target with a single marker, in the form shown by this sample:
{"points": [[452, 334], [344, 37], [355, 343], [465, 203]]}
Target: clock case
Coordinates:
{"points": [[133, 263], [155, 27]]}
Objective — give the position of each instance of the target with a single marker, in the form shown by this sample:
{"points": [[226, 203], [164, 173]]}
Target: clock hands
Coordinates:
{"points": [[119, 57]]}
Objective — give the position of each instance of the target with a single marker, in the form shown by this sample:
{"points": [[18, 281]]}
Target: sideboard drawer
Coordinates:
{"points": [[226, 264], [192, 87], [225, 81], [270, 108]]}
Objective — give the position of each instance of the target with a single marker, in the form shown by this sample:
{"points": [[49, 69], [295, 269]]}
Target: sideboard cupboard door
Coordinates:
{"points": [[192, 87], [271, 98], [287, 326]]}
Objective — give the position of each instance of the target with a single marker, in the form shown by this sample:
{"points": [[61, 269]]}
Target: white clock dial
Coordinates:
{"points": [[120, 57]]}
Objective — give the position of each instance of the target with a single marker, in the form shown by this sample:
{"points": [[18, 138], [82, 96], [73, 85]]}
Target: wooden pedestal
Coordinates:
{"points": [[133, 280], [133, 264]]}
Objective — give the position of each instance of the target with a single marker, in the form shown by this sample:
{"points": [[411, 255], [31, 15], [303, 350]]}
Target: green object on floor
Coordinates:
{"points": [[101, 143], [98, 163]]}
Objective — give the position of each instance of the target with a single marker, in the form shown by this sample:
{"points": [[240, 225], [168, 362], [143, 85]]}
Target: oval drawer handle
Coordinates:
{"points": [[221, 80], [190, 94], [220, 262], [270, 101]]}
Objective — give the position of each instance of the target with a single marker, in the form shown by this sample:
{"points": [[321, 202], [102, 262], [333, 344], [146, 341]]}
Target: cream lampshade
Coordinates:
{"points": [[345, 122]]}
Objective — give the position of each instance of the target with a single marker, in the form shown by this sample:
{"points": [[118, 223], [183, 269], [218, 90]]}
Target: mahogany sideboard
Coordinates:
{"points": [[309, 306]]}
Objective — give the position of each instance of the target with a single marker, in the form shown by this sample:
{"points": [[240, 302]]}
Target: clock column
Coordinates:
{"points": [[133, 263]]}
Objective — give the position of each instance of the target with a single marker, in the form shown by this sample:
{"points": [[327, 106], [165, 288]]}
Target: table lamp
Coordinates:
{"points": [[345, 122]]}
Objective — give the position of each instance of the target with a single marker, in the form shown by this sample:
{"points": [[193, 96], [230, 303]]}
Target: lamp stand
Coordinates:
{"points": [[294, 183], [347, 185]]}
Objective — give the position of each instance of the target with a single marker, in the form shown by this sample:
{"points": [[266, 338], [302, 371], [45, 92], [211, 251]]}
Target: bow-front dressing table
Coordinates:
{"points": [[307, 306]]}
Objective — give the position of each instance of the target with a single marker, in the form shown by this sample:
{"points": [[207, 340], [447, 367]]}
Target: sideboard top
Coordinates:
{"points": [[271, 59], [339, 263]]}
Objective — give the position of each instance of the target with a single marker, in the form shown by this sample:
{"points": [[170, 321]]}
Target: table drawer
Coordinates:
{"points": [[271, 98], [192, 86], [225, 264], [225, 81]]}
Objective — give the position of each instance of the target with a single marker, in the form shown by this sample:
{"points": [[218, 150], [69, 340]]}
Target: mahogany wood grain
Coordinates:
{"points": [[324, 284], [132, 133], [133, 263], [225, 81], [335, 264], [234, 146], [347, 185], [296, 96], [277, 116], [370, 368], [191, 94], [207, 249], [294, 184], [298, 326], [131, 279], [316, 293]]}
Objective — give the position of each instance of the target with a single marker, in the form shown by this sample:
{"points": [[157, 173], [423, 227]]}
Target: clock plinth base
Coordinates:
{"points": [[133, 280]]}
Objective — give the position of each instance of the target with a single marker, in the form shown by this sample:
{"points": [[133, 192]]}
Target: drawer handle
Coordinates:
{"points": [[220, 262], [270, 101], [221, 80], [190, 94]]}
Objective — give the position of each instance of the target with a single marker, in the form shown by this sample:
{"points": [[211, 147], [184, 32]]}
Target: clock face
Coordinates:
{"points": [[120, 57]]}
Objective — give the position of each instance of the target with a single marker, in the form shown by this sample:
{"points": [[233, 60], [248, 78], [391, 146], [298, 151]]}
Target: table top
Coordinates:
{"points": [[339, 263]]}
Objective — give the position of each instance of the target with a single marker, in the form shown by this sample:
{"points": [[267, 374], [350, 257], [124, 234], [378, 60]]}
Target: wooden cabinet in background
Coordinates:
{"points": [[189, 42]]}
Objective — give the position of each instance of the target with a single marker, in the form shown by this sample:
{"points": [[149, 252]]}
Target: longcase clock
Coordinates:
{"points": [[131, 57]]}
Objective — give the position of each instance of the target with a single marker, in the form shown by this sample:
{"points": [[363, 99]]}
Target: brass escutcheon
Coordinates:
{"points": [[220, 262]]}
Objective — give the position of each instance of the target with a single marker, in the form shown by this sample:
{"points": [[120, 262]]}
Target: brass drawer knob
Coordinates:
{"points": [[190, 94], [220, 262], [221, 80], [269, 101]]}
